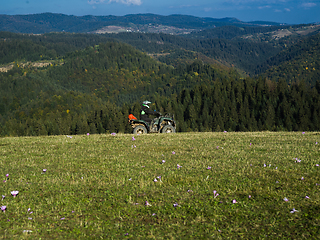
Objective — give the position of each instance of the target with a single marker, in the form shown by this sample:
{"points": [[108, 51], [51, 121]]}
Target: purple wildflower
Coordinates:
{"points": [[113, 134], [234, 201], [147, 204], [215, 194], [3, 208], [7, 175], [264, 165], [208, 167], [178, 166], [163, 161], [217, 147], [176, 205], [155, 180], [306, 197], [302, 178], [153, 214], [250, 144], [286, 199], [62, 218], [44, 170], [3, 196], [317, 165], [173, 152], [294, 210], [224, 131], [303, 132], [88, 134], [190, 190], [126, 234], [133, 139], [249, 196], [30, 218], [14, 193]]}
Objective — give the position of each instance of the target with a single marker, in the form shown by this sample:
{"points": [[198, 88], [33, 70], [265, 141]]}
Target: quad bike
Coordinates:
{"points": [[161, 124]]}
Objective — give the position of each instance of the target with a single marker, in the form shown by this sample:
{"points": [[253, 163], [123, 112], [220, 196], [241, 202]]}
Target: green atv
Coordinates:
{"points": [[161, 124]]}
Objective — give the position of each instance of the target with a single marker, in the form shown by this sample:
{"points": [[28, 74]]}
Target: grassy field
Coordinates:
{"points": [[261, 185]]}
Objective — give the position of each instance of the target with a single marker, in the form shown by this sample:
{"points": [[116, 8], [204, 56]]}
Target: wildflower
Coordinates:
{"points": [[3, 196], [88, 134], [163, 161], [303, 132], [294, 210], [126, 234], [44, 170], [249, 196], [62, 218], [26, 231], [153, 214], [113, 134], [217, 147], [209, 168], [133, 139], [190, 190], [155, 180], [29, 209], [317, 165], [225, 131], [286, 199], [269, 165], [306, 197], [276, 168], [7, 175], [14, 193], [3, 208], [215, 194], [264, 165], [178, 166], [159, 177], [302, 178], [30, 218], [173, 152], [250, 144], [147, 204], [316, 142], [234, 201], [176, 205], [130, 179], [298, 160]]}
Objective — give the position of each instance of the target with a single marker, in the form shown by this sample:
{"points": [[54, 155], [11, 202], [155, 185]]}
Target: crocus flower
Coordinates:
{"points": [[163, 161], [178, 166], [190, 190], [159, 177], [88, 134], [208, 167], [30, 218], [130, 179], [294, 210], [155, 180], [234, 201], [29, 209], [249, 196], [62, 218], [224, 131], [173, 152], [3, 208], [176, 205], [44, 170], [302, 178], [126, 234], [316, 142], [215, 194], [306, 197], [147, 204], [113, 134], [317, 165], [264, 165], [153, 214], [217, 147], [3, 196], [133, 139], [286, 199], [250, 144], [14, 193], [7, 175]]}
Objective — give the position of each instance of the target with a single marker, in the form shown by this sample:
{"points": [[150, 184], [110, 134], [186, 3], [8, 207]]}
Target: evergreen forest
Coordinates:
{"points": [[63, 83]]}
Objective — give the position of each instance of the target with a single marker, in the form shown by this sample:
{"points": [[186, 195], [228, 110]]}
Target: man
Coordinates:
{"points": [[145, 112]]}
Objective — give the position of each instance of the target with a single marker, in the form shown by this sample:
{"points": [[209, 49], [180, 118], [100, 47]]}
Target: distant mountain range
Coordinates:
{"points": [[51, 22]]}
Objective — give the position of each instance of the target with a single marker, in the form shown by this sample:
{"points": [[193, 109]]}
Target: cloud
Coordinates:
{"points": [[127, 2], [263, 7], [308, 5], [287, 9]]}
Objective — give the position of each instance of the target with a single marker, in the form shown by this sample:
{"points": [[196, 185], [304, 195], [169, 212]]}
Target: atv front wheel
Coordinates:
{"points": [[140, 129], [168, 129]]}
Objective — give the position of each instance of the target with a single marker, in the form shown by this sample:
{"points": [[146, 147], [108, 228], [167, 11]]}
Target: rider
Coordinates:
{"points": [[145, 112]]}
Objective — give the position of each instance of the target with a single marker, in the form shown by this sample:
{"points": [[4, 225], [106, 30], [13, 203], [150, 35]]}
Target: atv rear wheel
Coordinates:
{"points": [[140, 129], [168, 129]]}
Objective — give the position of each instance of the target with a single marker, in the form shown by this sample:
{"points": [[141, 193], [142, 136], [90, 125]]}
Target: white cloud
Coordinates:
{"points": [[128, 2], [263, 7], [288, 9], [308, 5]]}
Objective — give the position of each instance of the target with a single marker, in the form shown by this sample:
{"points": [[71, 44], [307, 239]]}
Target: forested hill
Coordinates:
{"points": [[300, 62], [51, 22]]}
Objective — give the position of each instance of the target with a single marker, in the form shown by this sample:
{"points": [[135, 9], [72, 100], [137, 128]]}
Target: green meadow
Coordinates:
{"points": [[222, 185]]}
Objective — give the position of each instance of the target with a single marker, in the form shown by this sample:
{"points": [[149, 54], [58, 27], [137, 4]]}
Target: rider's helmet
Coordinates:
{"points": [[145, 103]]}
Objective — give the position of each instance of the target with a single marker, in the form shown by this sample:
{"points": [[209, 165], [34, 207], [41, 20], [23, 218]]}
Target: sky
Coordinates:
{"points": [[282, 11]]}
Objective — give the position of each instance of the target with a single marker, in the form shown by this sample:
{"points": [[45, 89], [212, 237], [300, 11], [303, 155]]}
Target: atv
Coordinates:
{"points": [[161, 124]]}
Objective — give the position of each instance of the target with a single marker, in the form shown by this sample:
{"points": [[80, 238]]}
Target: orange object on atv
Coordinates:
{"points": [[131, 117]]}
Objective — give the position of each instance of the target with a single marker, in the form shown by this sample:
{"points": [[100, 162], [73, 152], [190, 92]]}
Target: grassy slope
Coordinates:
{"points": [[87, 193]]}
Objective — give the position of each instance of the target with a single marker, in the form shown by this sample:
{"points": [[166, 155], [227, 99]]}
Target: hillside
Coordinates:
{"points": [[50, 22], [299, 62]]}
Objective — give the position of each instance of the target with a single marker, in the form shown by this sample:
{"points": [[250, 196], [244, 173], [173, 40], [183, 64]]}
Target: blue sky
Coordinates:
{"points": [[283, 11]]}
